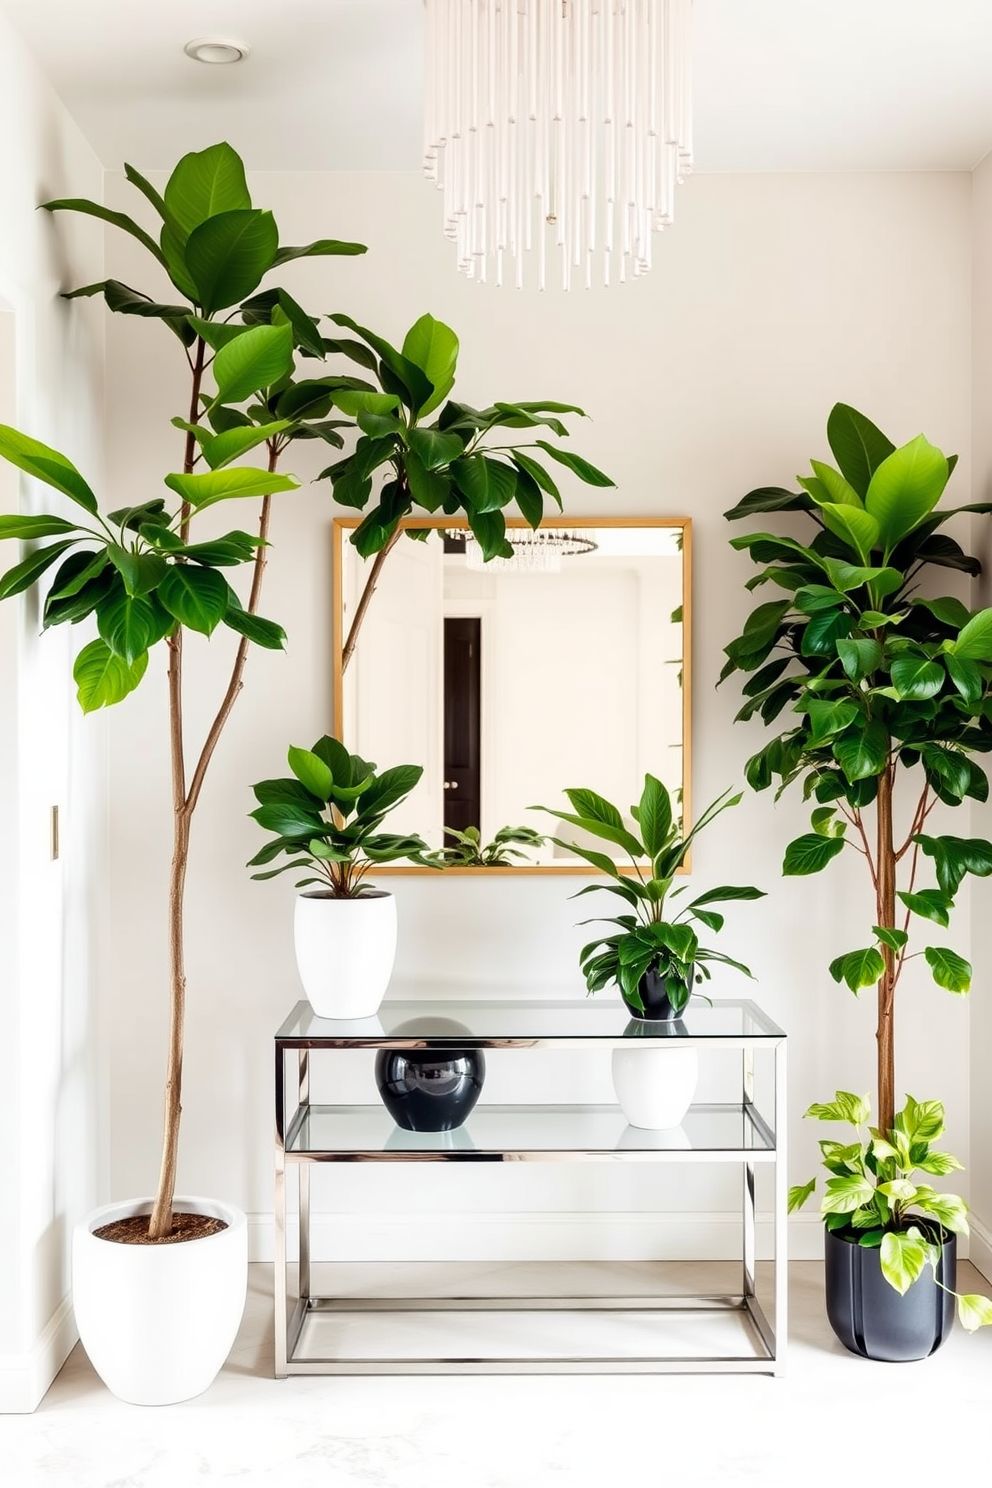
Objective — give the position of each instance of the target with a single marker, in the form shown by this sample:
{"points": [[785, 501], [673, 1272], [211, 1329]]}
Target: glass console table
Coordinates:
{"points": [[736, 1131]]}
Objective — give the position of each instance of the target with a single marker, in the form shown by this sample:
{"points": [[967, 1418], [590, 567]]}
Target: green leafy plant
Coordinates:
{"points": [[885, 687], [449, 465], [873, 1197], [327, 818], [467, 851], [645, 941], [139, 571]]}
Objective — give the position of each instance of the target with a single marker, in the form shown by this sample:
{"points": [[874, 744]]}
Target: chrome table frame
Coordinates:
{"points": [[769, 1337]]}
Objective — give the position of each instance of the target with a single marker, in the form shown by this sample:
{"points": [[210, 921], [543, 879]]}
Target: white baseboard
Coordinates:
{"points": [[533, 1236], [24, 1378], [981, 1246]]}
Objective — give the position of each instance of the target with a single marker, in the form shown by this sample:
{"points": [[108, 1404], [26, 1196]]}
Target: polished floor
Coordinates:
{"points": [[832, 1419]]}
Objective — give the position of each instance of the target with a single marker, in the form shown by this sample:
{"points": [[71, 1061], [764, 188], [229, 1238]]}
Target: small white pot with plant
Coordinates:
{"points": [[327, 819]]}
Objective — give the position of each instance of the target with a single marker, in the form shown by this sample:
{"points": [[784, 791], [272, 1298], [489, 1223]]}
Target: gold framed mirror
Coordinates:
{"points": [[567, 665]]}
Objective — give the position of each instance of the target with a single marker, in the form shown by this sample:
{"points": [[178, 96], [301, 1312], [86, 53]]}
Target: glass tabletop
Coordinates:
{"points": [[346, 1131], [490, 1022]]}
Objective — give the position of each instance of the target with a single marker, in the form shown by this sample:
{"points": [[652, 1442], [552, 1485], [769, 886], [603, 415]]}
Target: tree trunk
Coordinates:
{"points": [[885, 862]]}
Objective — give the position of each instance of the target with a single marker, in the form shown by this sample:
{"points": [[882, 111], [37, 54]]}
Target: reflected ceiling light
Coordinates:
{"points": [[561, 126], [533, 552], [216, 50]]}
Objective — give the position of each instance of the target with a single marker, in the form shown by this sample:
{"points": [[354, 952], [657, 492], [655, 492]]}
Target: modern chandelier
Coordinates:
{"points": [[537, 551], [557, 126]]}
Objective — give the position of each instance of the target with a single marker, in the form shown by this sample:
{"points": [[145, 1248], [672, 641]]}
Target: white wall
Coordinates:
{"points": [[981, 1005], [771, 298], [50, 386]]}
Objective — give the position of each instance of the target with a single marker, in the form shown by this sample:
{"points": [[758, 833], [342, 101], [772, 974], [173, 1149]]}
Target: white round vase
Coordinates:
{"points": [[158, 1321], [345, 949], [655, 1086]]}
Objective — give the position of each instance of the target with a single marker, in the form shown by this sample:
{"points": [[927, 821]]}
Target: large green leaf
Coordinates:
{"points": [[930, 904], [857, 528], [131, 625], [411, 379], [228, 255], [311, 771], [580, 467], [47, 465], [903, 1257], [864, 752], [950, 970], [259, 358], [974, 641], [916, 677], [435, 449], [256, 628], [102, 678], [837, 488], [25, 573], [768, 499], [123, 300], [433, 347], [197, 597], [858, 968], [858, 446], [810, 853], [654, 816], [116, 219], [859, 658], [538, 475], [230, 445], [141, 572], [322, 248], [26, 528], [905, 488], [953, 857], [205, 184], [210, 486]]}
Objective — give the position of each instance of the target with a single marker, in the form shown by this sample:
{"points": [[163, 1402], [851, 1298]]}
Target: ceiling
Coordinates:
{"points": [[779, 85]]}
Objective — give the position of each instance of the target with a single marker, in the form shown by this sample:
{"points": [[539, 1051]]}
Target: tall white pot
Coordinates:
{"points": [[655, 1086], [158, 1321], [345, 949]]}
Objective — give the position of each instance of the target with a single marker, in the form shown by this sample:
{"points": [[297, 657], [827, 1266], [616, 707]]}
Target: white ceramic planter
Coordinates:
{"points": [[655, 1086], [158, 1321], [345, 949]]}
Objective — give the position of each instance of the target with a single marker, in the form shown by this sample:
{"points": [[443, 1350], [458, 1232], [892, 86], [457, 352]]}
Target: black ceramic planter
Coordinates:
{"points": [[657, 1008], [430, 1090], [870, 1317]]}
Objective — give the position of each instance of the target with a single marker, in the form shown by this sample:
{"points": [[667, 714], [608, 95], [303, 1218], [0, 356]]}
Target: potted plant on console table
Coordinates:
{"points": [[887, 689], [328, 819], [654, 961], [158, 1317]]}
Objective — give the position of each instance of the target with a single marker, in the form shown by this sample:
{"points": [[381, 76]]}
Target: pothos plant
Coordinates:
{"points": [[406, 463], [140, 570], [885, 689], [328, 817], [874, 1196], [656, 938]]}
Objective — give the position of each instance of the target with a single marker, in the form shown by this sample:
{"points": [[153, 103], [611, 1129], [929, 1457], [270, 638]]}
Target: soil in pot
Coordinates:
{"points": [[133, 1230]]}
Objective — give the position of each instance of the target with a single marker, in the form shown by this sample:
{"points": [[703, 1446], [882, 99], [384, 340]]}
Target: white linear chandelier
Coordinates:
{"points": [[559, 126]]}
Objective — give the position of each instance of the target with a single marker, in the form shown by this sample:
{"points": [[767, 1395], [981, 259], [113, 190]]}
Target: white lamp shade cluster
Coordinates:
{"points": [[561, 126]]}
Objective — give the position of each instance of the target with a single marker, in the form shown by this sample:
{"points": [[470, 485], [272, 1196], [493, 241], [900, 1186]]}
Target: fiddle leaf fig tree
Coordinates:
{"points": [[884, 690], [141, 570], [403, 465]]}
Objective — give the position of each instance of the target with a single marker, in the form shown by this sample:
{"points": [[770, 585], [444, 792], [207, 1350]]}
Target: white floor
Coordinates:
{"points": [[833, 1419]]}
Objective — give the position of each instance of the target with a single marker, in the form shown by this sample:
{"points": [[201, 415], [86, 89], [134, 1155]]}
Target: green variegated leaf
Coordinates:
{"points": [[974, 1311], [903, 1258], [843, 1195], [799, 1193]]}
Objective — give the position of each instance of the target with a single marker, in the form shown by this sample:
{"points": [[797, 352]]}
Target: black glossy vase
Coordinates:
{"points": [[870, 1317], [430, 1090], [657, 1007]]}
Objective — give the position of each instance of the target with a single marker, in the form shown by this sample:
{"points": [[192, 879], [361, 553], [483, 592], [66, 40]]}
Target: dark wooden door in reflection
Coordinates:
{"points": [[462, 722]]}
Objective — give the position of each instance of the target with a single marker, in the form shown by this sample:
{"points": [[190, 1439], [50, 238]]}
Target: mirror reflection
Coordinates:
{"points": [[508, 681]]}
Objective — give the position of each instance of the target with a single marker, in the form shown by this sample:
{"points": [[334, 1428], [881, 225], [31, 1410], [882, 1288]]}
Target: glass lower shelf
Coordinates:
{"points": [[520, 1133]]}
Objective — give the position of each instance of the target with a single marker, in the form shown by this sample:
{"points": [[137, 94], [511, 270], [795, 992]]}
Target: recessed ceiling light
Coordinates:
{"points": [[216, 50]]}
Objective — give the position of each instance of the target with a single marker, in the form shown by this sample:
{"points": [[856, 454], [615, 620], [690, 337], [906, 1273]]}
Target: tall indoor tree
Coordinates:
{"points": [[884, 686], [139, 570]]}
